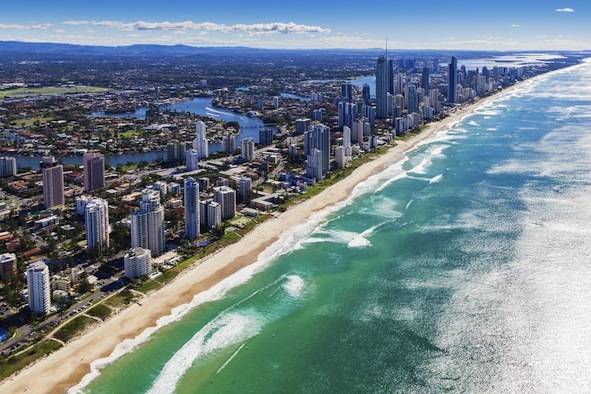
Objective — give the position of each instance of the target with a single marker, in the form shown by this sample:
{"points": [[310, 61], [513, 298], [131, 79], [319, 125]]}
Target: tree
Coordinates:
{"points": [[84, 286]]}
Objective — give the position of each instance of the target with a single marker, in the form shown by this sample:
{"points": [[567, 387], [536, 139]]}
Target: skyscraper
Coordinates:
{"points": [[229, 143], [382, 87], [314, 165], [200, 142], [94, 171], [245, 189], [147, 223], [426, 79], [192, 160], [347, 140], [319, 138], [452, 81], [191, 197], [413, 99], [366, 94], [96, 215], [265, 136], [347, 92], [53, 182], [247, 149], [7, 166], [226, 197], [38, 288]]}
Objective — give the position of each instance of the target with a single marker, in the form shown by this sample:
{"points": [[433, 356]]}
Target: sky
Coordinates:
{"points": [[407, 24]]}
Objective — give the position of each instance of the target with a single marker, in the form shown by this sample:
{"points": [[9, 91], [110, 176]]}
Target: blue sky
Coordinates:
{"points": [[451, 24]]}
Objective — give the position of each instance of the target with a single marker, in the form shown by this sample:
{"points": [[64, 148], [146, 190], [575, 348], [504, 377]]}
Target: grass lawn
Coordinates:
{"points": [[31, 121], [10, 365], [101, 311], [72, 328], [120, 299], [130, 134], [50, 90]]}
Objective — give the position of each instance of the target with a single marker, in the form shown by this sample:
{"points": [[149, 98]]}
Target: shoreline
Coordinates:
{"points": [[67, 366]]}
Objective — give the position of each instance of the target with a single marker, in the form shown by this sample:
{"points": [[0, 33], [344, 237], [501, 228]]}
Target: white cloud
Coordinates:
{"points": [[33, 26], [254, 28], [566, 10], [515, 25]]}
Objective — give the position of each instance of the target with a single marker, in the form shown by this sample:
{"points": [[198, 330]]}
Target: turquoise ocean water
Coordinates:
{"points": [[465, 268]]}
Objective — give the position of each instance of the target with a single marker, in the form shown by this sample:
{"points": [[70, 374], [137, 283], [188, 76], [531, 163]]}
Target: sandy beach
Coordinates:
{"points": [[67, 366]]}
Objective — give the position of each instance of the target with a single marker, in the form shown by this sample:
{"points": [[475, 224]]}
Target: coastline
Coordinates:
{"points": [[67, 366]]}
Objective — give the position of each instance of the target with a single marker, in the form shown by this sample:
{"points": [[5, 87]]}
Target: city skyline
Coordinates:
{"points": [[550, 25]]}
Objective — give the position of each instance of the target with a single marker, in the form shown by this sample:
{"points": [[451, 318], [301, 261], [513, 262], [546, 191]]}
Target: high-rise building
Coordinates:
{"points": [[214, 215], [200, 143], [7, 266], [302, 125], [366, 94], [226, 197], [192, 160], [347, 92], [341, 157], [137, 263], [147, 223], [245, 189], [53, 182], [426, 79], [229, 143], [94, 171], [413, 99], [265, 136], [175, 152], [314, 165], [96, 214], [247, 149], [452, 81], [191, 194], [7, 166], [384, 85], [319, 138], [347, 140], [39, 288], [346, 114]]}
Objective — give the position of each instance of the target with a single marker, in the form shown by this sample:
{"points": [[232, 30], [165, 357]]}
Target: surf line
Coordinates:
{"points": [[225, 364]]}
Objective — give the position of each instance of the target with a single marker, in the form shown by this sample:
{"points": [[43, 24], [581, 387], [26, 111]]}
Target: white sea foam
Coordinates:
{"points": [[225, 330], [436, 178], [473, 123], [294, 285]]}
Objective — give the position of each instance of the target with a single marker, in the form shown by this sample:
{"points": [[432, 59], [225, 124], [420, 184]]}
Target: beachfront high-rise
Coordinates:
{"points": [[96, 214], [94, 171], [191, 200], [452, 81], [147, 223], [39, 288], [382, 87], [53, 182], [200, 142], [226, 197], [7, 166], [318, 138], [137, 263]]}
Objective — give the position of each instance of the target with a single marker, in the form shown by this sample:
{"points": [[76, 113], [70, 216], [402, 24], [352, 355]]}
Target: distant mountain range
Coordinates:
{"points": [[12, 48]]}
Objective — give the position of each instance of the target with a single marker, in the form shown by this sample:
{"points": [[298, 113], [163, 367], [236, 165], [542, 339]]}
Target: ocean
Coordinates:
{"points": [[466, 267]]}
